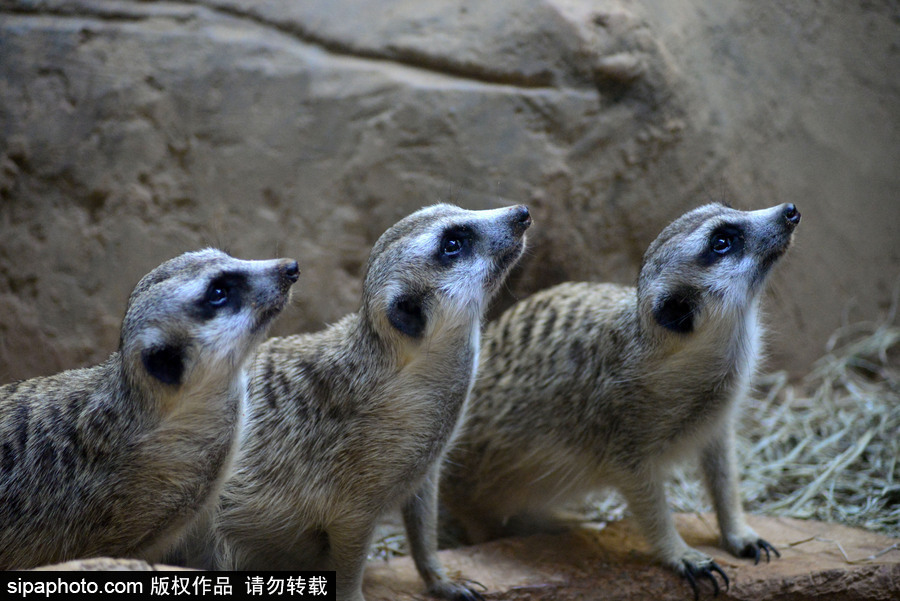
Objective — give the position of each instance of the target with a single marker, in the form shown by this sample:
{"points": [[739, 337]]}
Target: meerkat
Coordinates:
{"points": [[119, 458], [588, 385], [347, 423]]}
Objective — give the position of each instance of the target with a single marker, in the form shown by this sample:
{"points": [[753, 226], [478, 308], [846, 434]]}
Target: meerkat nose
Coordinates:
{"points": [[791, 214], [521, 218], [291, 270]]}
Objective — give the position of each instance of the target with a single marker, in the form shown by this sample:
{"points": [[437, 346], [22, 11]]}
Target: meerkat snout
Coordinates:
{"points": [[287, 272], [791, 214], [291, 270], [522, 218]]}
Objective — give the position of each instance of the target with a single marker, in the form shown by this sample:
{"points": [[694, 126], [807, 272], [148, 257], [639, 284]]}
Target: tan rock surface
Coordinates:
{"points": [[612, 564], [131, 131]]}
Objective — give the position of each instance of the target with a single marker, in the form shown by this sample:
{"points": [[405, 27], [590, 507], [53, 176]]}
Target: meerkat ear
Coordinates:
{"points": [[675, 311], [165, 363], [407, 314]]}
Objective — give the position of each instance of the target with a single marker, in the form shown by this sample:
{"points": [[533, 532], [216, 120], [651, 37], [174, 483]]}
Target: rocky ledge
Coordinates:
{"points": [[818, 561]]}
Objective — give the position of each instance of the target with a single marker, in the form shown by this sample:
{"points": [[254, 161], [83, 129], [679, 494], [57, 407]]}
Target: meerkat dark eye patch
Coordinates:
{"points": [[726, 239], [165, 363], [223, 291], [407, 314], [455, 242], [675, 312]]}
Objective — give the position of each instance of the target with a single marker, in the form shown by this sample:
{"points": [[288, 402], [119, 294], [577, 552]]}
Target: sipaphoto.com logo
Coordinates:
{"points": [[70, 586]]}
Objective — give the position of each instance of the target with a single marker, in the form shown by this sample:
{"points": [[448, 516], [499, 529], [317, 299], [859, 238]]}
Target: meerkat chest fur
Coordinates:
{"points": [[692, 386], [344, 391], [626, 386], [444, 370]]}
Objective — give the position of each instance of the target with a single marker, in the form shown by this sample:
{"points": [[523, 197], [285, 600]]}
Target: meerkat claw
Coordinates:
{"points": [[714, 567], [692, 572], [469, 595], [753, 550]]}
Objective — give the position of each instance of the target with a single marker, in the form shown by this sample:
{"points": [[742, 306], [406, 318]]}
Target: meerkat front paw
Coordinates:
{"points": [[754, 549], [694, 565], [454, 591], [750, 546]]}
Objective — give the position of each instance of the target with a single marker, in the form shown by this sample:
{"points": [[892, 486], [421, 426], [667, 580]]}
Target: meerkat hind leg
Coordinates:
{"points": [[420, 518], [720, 472], [348, 547], [647, 501]]}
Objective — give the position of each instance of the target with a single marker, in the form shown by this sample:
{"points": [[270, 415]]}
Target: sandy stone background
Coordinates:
{"points": [[133, 131]]}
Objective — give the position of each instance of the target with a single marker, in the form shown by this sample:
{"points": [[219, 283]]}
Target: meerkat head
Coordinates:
{"points": [[438, 267], [198, 316], [710, 264]]}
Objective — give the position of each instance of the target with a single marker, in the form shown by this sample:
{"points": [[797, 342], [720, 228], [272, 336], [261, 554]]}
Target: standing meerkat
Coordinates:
{"points": [[349, 422], [589, 385], [119, 458]]}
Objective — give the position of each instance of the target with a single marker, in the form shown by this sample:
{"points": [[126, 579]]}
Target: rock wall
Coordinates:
{"points": [[132, 131]]}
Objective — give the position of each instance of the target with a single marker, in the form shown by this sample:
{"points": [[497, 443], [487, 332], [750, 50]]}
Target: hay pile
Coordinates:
{"points": [[827, 447]]}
